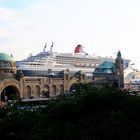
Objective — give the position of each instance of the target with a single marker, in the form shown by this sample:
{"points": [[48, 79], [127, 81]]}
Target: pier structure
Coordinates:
{"points": [[14, 85]]}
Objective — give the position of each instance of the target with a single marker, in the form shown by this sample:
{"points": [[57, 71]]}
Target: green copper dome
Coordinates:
{"points": [[106, 65], [5, 57]]}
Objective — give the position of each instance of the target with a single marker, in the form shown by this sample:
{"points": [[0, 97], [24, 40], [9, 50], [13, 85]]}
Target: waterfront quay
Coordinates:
{"points": [[14, 85]]}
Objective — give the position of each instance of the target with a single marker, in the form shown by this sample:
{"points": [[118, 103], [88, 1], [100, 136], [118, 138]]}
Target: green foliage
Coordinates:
{"points": [[89, 113]]}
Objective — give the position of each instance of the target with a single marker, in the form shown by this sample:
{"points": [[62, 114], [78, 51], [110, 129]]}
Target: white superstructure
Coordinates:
{"points": [[49, 61]]}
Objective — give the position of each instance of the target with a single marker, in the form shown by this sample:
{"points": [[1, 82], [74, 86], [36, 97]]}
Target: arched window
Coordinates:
{"points": [[37, 91], [45, 92], [54, 90], [61, 89], [28, 92]]}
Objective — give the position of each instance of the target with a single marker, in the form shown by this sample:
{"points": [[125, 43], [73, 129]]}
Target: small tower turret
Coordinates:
{"points": [[7, 66], [120, 69]]}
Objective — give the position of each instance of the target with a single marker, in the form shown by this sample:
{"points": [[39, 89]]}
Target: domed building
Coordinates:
{"points": [[9, 86], [111, 73], [7, 65], [15, 86]]}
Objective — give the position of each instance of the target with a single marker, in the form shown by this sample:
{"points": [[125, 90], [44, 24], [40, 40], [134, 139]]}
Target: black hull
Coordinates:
{"points": [[33, 73], [59, 73]]}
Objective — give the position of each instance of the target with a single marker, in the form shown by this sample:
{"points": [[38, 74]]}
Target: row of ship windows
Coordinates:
{"points": [[33, 67], [76, 62], [32, 64], [77, 59]]}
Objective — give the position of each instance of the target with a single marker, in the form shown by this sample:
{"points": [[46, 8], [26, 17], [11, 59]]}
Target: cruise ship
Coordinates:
{"points": [[47, 62]]}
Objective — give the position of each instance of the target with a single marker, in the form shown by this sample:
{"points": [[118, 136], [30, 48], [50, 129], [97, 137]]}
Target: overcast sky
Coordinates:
{"points": [[102, 26]]}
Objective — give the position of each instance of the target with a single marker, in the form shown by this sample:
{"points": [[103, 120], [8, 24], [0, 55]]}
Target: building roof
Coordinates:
{"points": [[5, 57], [106, 65], [105, 68]]}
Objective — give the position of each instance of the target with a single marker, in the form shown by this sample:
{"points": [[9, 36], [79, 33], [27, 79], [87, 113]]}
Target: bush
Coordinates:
{"points": [[89, 113]]}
